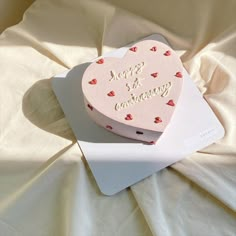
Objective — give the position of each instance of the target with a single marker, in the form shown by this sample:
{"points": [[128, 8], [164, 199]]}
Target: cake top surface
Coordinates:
{"points": [[141, 89]]}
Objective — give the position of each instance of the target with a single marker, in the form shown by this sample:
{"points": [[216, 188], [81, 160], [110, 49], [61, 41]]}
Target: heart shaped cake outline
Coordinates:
{"points": [[124, 120]]}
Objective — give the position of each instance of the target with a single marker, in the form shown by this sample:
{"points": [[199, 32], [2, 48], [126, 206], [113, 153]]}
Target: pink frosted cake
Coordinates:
{"points": [[134, 96]]}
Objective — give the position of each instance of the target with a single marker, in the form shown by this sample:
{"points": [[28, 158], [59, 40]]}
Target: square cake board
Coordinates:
{"points": [[117, 162]]}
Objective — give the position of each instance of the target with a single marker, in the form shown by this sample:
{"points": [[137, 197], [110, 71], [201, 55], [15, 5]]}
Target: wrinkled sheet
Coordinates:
{"points": [[46, 187], [11, 12]]}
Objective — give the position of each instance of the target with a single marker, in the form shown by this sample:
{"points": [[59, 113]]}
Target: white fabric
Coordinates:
{"points": [[46, 187], [11, 12]]}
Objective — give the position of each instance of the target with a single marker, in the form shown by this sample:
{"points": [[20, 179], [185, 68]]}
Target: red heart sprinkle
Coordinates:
{"points": [[179, 75], [167, 53], [158, 120], [90, 107], [111, 94], [108, 127], [133, 49], [171, 103], [153, 49], [100, 61], [93, 81], [129, 117], [152, 142], [154, 75]]}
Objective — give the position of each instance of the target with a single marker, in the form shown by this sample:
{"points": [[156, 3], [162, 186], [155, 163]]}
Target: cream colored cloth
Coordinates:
{"points": [[46, 188], [11, 12]]}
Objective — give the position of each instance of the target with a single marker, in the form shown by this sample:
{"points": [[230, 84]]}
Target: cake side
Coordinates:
{"points": [[121, 129]]}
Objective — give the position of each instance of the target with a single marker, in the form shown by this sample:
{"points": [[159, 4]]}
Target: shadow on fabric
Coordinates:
{"points": [[41, 107]]}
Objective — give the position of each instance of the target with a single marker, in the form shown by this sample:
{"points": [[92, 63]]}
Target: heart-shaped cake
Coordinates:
{"points": [[134, 96]]}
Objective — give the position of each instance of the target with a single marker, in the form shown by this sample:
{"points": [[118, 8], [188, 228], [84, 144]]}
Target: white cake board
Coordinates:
{"points": [[117, 162]]}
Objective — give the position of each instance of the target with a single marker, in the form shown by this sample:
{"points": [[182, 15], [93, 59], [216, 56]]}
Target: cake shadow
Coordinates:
{"points": [[41, 107], [69, 92]]}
